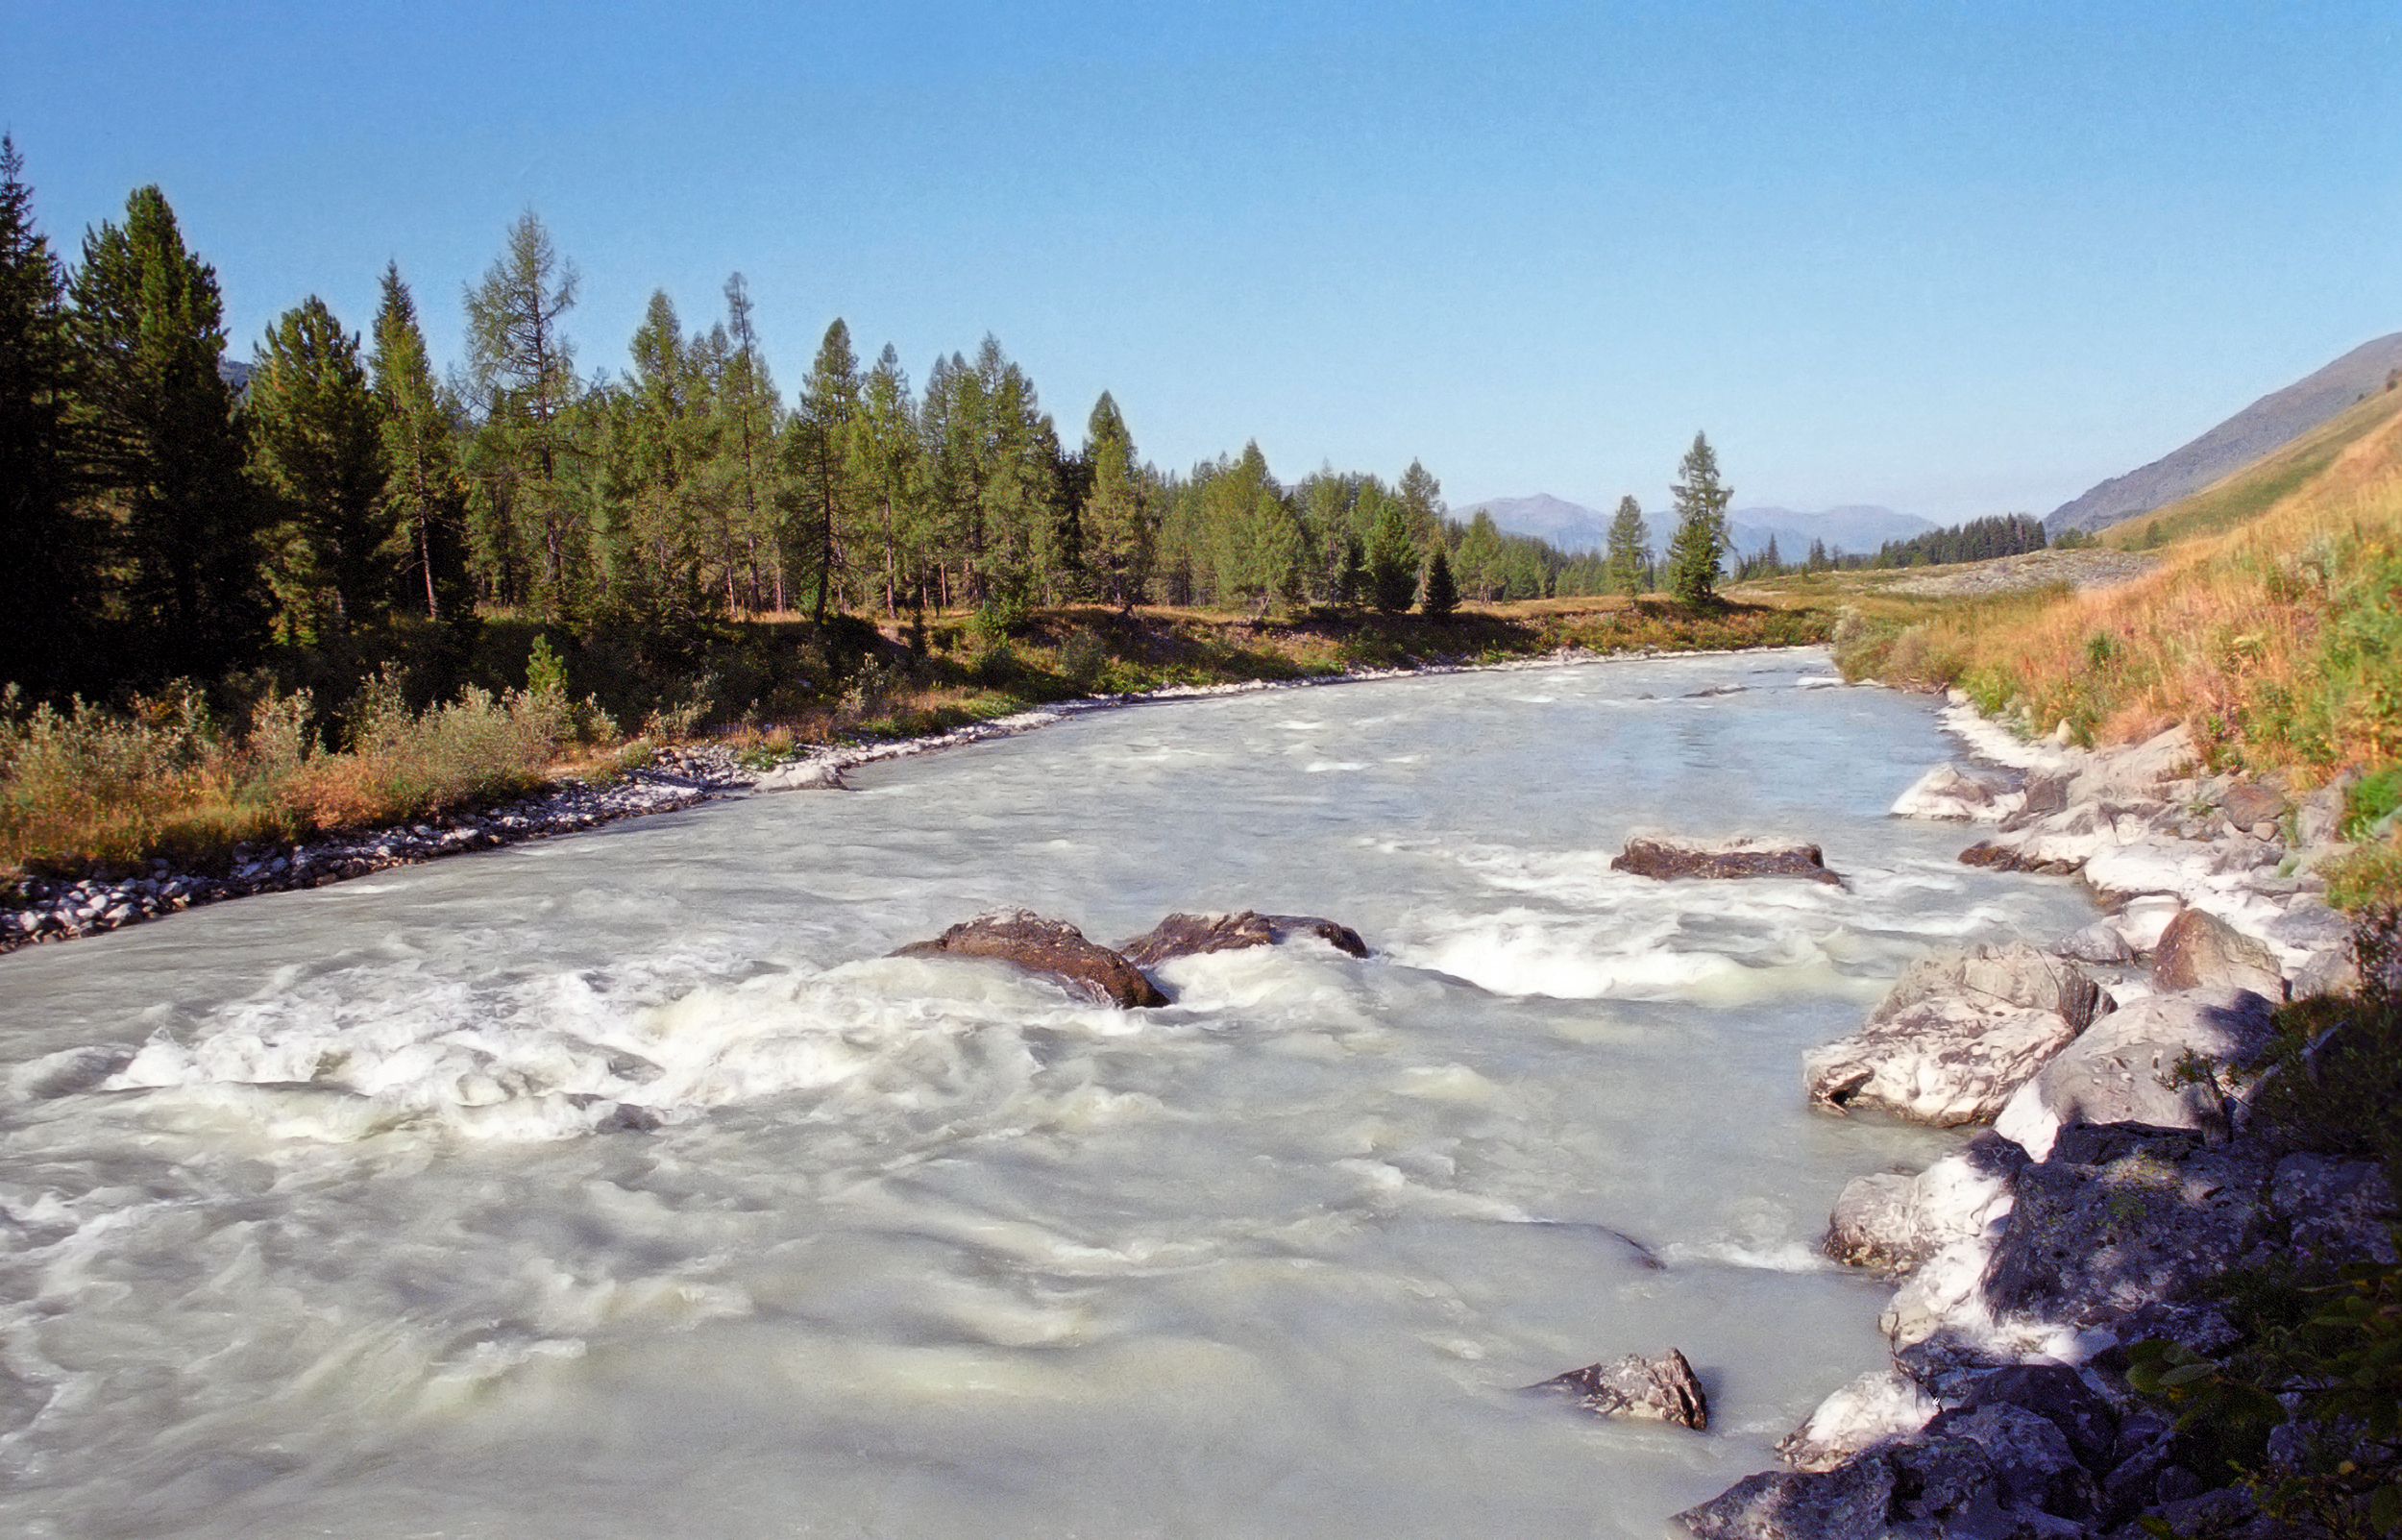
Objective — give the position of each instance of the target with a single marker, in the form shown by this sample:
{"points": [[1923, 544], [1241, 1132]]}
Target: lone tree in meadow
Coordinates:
{"points": [[1700, 543]]}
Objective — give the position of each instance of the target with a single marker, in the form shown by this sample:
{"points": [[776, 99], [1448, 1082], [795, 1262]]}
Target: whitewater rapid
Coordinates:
{"points": [[624, 1185]]}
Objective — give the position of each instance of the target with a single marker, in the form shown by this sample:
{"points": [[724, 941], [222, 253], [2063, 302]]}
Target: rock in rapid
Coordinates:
{"points": [[1657, 1389], [1048, 949], [1183, 935], [1665, 857]]}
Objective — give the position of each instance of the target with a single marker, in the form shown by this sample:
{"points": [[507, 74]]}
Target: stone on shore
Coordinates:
{"points": [[1181, 935], [1668, 857], [1956, 1036], [1660, 1388], [1950, 793], [1877, 1407], [2154, 1062], [2198, 950], [1893, 1224], [802, 775], [1852, 1501], [1047, 948]]}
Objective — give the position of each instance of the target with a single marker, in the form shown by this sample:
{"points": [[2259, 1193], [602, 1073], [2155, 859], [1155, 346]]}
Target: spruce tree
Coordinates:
{"points": [[1441, 594], [1700, 543], [47, 584], [167, 448], [317, 438], [423, 491], [1628, 556], [1393, 561]]}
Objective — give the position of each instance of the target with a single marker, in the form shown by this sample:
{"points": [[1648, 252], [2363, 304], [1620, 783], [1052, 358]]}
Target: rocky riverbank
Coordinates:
{"points": [[677, 776], [2124, 1170]]}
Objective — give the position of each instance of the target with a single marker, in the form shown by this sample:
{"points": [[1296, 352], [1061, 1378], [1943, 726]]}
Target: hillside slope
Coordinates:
{"points": [[2269, 424]]}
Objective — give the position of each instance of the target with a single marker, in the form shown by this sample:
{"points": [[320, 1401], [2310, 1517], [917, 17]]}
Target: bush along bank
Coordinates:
{"points": [[2160, 1294]]}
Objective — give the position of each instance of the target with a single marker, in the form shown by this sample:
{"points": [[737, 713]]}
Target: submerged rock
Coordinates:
{"points": [[1048, 949], [1956, 1036], [1657, 1389], [1183, 935], [1664, 857]]}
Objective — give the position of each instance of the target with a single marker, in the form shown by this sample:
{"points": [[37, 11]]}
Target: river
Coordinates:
{"points": [[621, 1185]]}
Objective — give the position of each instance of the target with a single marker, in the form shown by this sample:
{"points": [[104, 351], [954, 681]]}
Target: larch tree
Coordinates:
{"points": [[1257, 555], [425, 495], [884, 468], [1700, 544], [751, 425], [523, 370], [168, 447], [317, 444], [47, 584], [1119, 523], [821, 456], [1392, 559], [1628, 549], [1422, 508]]}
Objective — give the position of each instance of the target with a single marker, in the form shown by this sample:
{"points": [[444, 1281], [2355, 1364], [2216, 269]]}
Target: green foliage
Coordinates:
{"points": [[318, 445], [1392, 562], [52, 553], [2334, 1075], [2372, 798], [1629, 549]]}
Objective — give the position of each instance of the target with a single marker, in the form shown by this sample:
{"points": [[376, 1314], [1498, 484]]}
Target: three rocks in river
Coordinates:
{"points": [[1056, 951]]}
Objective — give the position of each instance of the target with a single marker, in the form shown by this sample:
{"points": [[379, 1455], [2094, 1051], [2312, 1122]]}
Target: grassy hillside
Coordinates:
{"points": [[2250, 492]]}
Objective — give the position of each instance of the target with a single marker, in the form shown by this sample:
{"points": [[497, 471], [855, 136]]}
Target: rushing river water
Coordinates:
{"points": [[621, 1185]]}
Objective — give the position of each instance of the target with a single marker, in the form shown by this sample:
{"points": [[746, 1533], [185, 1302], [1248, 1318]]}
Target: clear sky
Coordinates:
{"points": [[1955, 257]]}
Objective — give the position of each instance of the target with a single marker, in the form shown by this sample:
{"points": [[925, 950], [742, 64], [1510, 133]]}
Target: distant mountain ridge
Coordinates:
{"points": [[2269, 423], [1573, 528]]}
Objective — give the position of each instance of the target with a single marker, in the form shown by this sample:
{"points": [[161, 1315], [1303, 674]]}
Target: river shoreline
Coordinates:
{"points": [[684, 775]]}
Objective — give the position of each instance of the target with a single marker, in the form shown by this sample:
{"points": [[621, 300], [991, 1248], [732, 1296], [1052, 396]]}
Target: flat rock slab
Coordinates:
{"points": [[1047, 948], [1648, 856], [1655, 1389], [1183, 935]]}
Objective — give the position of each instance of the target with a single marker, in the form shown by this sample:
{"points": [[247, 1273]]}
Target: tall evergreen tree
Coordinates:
{"points": [[1701, 541], [1258, 542], [751, 426], [884, 468], [829, 399], [1629, 550], [425, 493], [168, 447], [317, 441], [523, 370], [662, 448], [1421, 507], [47, 584], [1119, 525], [1439, 596]]}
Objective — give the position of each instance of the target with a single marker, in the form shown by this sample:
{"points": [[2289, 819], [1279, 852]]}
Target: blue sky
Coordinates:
{"points": [[1957, 259]]}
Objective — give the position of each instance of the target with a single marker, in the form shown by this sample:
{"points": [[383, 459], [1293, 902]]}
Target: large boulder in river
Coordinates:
{"points": [[1956, 1035], [1048, 949], [1657, 1389], [1192, 935], [1660, 856], [2200, 951], [2157, 1061]]}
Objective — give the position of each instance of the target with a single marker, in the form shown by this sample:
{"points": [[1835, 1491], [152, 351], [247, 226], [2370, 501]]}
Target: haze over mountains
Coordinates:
{"points": [[2273, 421], [1572, 527]]}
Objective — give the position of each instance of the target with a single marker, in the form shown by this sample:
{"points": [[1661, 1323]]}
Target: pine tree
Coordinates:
{"points": [[1421, 507], [1700, 543], [663, 447], [884, 466], [751, 418], [1257, 545], [524, 371], [167, 448], [1629, 549], [48, 582], [1393, 561], [1441, 595], [317, 444], [425, 494], [1478, 561]]}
